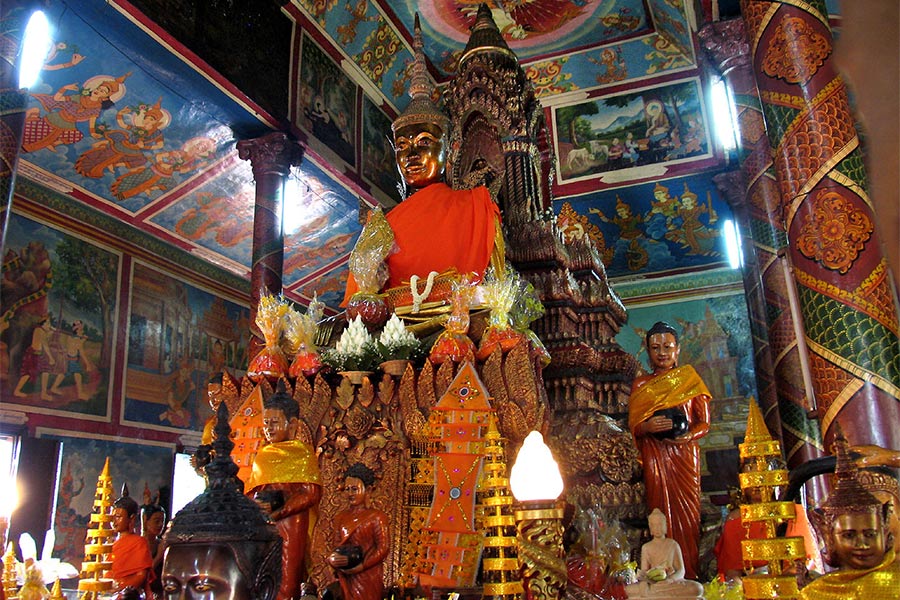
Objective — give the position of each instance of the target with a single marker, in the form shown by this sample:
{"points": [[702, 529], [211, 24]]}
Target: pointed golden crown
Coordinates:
{"points": [[421, 109]]}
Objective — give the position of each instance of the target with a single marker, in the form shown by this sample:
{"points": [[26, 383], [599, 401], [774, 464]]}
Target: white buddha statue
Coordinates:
{"points": [[662, 567]]}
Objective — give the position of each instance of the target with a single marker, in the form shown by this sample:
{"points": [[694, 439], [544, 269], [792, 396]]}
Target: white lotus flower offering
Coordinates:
{"points": [[396, 341], [354, 339], [395, 334]]}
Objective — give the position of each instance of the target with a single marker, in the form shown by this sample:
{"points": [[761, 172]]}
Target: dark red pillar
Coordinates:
{"points": [[271, 157]]}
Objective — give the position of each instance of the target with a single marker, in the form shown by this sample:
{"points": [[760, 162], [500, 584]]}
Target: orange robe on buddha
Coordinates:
{"points": [[367, 529], [438, 229], [672, 469]]}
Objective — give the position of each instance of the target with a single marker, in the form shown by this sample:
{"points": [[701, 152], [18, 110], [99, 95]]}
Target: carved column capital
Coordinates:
{"points": [[272, 154], [733, 187], [726, 43]]}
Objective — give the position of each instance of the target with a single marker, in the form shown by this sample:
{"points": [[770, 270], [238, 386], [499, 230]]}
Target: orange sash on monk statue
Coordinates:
{"points": [[438, 229]]}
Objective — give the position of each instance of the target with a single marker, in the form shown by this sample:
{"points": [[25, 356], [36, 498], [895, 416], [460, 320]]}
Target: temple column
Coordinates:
{"points": [[844, 293], [780, 357], [14, 15], [271, 157]]}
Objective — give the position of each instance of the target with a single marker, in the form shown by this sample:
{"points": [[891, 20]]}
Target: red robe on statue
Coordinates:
{"points": [[436, 229], [367, 529]]}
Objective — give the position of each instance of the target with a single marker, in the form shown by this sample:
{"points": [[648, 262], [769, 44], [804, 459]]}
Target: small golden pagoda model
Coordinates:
{"points": [[758, 450], [99, 541], [56, 593], [496, 519], [9, 573]]}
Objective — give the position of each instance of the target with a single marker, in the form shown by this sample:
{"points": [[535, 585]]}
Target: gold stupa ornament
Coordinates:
{"points": [[759, 451], [10, 589], [56, 593], [495, 517], [99, 541]]}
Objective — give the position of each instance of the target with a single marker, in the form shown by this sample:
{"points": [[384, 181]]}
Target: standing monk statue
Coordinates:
{"points": [[286, 484], [668, 413], [132, 562], [361, 539]]}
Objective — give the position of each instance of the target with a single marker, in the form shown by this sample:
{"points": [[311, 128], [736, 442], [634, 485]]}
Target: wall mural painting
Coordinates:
{"points": [[178, 337], [715, 339], [98, 119], [329, 288], [321, 226], [665, 124], [58, 299], [137, 465], [327, 102], [650, 228], [671, 22], [216, 214], [606, 66], [378, 164]]}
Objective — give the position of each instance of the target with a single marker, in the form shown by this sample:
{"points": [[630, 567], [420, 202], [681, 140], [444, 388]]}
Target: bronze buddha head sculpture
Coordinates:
{"points": [[420, 132], [221, 544], [852, 522]]}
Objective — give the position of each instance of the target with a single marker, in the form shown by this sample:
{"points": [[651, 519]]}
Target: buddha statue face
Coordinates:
{"points": [[277, 427], [663, 350], [421, 154], [657, 523], [857, 540], [356, 491], [203, 572], [123, 521]]}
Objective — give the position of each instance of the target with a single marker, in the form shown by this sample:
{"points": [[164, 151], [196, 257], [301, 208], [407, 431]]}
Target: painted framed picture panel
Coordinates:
{"points": [[632, 135], [327, 103], [178, 336], [667, 227], [59, 309]]}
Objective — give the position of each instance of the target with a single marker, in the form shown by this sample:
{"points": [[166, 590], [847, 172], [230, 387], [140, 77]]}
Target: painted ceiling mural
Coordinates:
{"points": [[126, 122]]}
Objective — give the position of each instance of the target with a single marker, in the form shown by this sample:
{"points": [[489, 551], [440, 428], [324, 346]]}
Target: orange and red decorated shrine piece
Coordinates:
{"points": [[459, 424]]}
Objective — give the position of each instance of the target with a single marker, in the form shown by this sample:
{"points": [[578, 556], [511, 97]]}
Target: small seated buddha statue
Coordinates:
{"points": [[410, 254], [662, 567], [221, 544], [854, 527]]}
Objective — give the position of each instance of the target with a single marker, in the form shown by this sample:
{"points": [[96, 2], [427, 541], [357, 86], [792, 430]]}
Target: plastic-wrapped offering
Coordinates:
{"points": [[499, 292], [453, 343], [367, 264]]}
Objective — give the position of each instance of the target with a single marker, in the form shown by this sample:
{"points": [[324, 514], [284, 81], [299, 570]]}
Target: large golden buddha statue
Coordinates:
{"points": [[434, 232], [854, 526]]}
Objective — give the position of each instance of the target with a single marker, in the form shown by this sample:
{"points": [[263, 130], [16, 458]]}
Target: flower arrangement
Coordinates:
{"points": [[300, 334], [396, 342], [356, 350]]}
